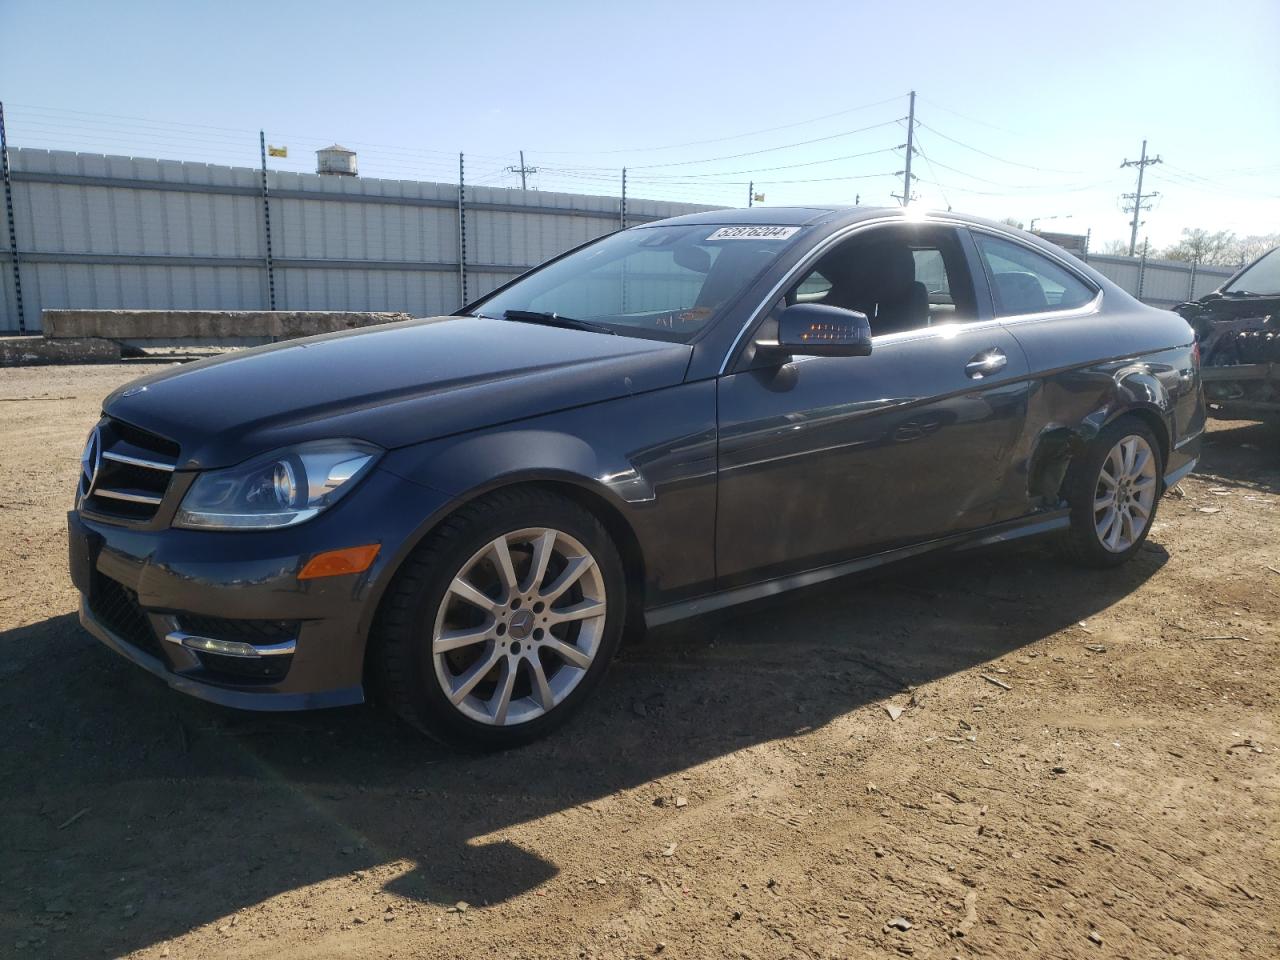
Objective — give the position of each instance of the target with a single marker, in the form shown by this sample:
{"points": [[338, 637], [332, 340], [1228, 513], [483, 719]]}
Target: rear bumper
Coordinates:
{"points": [[143, 590]]}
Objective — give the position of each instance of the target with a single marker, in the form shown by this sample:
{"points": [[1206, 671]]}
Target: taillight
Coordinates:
{"points": [[1195, 353]]}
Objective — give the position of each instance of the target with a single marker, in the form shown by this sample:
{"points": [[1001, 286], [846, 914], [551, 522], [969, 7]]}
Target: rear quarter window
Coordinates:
{"points": [[1024, 281]]}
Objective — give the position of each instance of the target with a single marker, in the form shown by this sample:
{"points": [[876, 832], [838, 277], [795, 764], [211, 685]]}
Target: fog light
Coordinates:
{"points": [[231, 648], [225, 648]]}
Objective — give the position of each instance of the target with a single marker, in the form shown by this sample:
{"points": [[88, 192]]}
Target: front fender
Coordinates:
{"points": [[649, 458]]}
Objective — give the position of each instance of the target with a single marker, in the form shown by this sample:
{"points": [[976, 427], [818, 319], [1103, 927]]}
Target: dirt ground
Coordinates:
{"points": [[1084, 765]]}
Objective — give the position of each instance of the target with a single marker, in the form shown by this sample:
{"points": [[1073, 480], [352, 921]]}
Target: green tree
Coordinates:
{"points": [[1198, 245], [1113, 248], [1250, 248]]}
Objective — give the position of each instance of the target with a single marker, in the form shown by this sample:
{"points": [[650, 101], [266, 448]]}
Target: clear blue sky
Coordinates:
{"points": [[1064, 91]]}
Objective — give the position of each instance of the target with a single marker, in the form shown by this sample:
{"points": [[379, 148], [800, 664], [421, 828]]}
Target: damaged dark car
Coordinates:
{"points": [[1238, 328], [461, 515]]}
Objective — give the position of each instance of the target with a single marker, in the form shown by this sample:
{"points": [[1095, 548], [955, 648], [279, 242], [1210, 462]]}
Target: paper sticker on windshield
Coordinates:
{"points": [[754, 233]]}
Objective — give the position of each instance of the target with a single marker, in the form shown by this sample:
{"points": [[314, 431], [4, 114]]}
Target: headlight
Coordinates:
{"points": [[279, 489]]}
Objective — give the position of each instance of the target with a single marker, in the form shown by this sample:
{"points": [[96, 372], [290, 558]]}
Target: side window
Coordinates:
{"points": [[1024, 281], [902, 277], [813, 288]]}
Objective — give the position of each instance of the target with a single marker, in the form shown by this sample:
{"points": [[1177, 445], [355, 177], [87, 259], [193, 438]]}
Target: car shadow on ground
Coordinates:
{"points": [[133, 814], [1242, 453]]}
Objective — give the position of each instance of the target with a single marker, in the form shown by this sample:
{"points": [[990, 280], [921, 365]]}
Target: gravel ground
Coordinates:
{"points": [[995, 756]]}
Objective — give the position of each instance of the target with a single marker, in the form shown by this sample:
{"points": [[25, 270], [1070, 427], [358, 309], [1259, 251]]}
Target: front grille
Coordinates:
{"points": [[126, 471], [241, 669], [1258, 346], [117, 608]]}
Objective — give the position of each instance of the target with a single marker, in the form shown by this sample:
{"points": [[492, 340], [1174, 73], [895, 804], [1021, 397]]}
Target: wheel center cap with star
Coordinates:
{"points": [[521, 624]]}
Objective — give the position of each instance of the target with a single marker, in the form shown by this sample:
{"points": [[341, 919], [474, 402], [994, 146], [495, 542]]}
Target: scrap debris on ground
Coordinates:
{"points": [[999, 756]]}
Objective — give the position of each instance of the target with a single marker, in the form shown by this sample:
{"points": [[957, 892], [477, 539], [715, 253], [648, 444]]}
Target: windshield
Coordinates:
{"points": [[666, 283], [1263, 277]]}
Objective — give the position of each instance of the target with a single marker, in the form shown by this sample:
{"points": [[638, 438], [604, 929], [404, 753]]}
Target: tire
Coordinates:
{"points": [[458, 604], [1102, 537]]}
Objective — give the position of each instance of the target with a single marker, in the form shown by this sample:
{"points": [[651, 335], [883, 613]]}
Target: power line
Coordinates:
{"points": [[992, 156], [736, 136], [175, 126], [963, 116], [938, 183], [751, 153], [728, 173]]}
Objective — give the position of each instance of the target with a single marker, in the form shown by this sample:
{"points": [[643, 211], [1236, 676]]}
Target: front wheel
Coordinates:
{"points": [[1113, 490], [503, 621]]}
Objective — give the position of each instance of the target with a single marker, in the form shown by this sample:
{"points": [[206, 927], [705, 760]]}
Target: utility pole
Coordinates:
{"points": [[751, 193], [910, 146], [13, 233], [522, 170], [1140, 200]]}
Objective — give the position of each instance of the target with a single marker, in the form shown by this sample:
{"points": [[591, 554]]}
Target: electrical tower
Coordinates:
{"points": [[522, 170], [906, 196], [1140, 200]]}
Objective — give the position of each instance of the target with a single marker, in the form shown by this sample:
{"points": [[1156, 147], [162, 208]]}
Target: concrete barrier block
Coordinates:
{"points": [[35, 351], [206, 325]]}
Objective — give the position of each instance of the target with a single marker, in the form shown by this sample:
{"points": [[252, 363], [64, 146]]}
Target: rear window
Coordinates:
{"points": [[1024, 281]]}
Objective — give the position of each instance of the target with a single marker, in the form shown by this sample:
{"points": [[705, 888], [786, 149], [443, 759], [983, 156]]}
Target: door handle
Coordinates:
{"points": [[985, 364]]}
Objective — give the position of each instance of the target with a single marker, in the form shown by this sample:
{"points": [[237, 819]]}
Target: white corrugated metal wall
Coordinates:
{"points": [[1161, 283], [100, 232]]}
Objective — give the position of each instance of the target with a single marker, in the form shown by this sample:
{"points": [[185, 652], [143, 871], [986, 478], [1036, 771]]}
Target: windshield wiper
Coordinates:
{"points": [[549, 319]]}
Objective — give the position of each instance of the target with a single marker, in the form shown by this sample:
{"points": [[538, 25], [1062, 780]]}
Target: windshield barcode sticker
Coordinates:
{"points": [[754, 233]]}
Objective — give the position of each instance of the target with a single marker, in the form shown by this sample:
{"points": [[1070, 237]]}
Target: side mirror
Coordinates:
{"points": [[817, 330]]}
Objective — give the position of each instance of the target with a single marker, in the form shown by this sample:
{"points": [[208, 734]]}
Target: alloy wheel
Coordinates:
{"points": [[519, 626], [1125, 494]]}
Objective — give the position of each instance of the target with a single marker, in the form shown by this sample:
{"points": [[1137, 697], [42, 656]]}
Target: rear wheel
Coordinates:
{"points": [[1113, 490], [503, 621]]}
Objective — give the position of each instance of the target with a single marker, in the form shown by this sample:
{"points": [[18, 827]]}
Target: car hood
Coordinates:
{"points": [[392, 385]]}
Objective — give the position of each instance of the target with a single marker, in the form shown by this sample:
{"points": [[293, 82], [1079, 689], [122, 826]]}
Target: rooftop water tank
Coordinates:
{"points": [[337, 161]]}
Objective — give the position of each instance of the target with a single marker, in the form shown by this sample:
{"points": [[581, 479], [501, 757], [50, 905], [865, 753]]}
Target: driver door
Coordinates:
{"points": [[824, 459]]}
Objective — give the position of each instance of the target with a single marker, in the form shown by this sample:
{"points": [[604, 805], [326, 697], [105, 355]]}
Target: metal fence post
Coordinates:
{"points": [[622, 208], [462, 231], [13, 233], [266, 224], [1142, 269]]}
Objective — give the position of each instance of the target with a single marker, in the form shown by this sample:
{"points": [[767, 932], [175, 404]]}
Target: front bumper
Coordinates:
{"points": [[1243, 391], [141, 589]]}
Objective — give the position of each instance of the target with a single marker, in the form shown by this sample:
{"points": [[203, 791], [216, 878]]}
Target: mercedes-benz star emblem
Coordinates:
{"points": [[90, 461]]}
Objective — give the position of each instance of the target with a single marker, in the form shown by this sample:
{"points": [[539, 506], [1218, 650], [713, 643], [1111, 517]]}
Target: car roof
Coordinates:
{"points": [[809, 216], [774, 216]]}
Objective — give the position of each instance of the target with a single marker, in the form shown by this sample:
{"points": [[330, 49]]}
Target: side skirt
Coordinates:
{"points": [[1039, 523]]}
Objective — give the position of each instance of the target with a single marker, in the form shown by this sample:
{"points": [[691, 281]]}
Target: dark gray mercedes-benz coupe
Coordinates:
{"points": [[461, 515]]}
